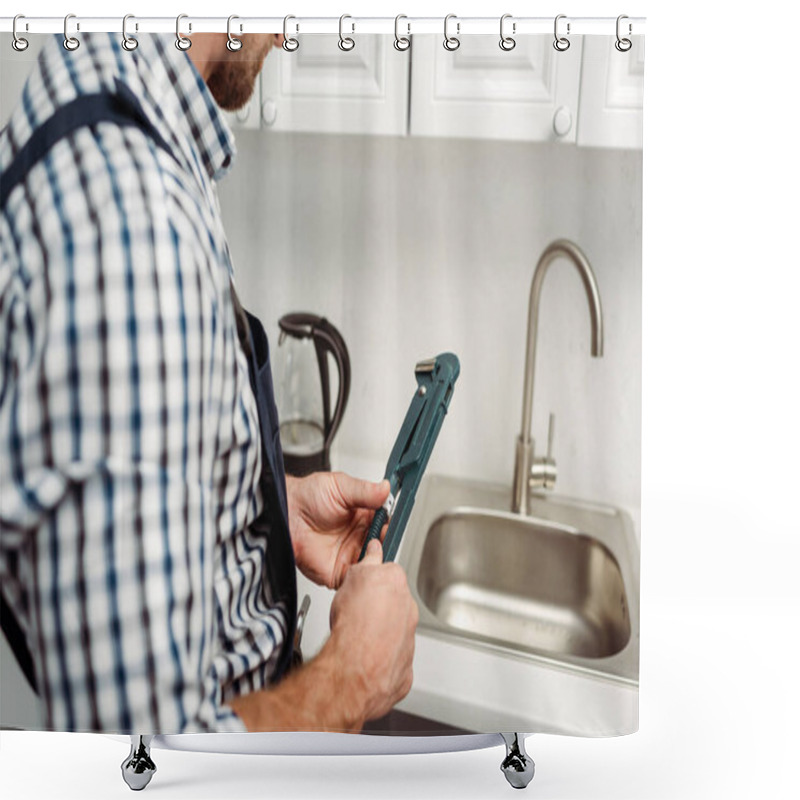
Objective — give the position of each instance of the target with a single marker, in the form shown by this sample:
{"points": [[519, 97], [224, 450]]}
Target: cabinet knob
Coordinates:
{"points": [[562, 121], [269, 112], [243, 114]]}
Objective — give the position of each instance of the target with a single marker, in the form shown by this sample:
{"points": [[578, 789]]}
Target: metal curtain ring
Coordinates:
{"points": [[451, 42], [70, 42], [507, 42], [129, 43], [182, 42], [233, 44], [561, 43], [623, 45], [290, 44], [401, 43], [18, 43], [345, 42]]}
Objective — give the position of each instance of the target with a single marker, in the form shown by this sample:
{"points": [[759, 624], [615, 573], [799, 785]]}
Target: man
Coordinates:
{"points": [[129, 433]]}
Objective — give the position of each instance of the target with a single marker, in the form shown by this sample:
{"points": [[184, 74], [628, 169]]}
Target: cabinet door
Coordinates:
{"points": [[320, 88], [479, 91], [612, 86]]}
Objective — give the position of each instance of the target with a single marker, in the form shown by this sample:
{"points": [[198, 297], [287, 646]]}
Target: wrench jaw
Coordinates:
{"points": [[302, 615]]}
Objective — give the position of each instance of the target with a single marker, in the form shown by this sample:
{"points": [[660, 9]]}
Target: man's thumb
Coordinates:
{"points": [[374, 554], [357, 493]]}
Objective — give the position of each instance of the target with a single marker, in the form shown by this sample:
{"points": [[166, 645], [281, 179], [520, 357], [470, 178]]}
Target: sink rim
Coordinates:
{"points": [[616, 535]]}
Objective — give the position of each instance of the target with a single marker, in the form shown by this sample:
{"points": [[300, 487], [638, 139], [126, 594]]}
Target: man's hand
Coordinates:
{"points": [[329, 514], [363, 669], [373, 621]]}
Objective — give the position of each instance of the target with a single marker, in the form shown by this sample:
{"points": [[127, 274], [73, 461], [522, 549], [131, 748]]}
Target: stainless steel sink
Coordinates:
{"points": [[558, 585], [531, 585]]}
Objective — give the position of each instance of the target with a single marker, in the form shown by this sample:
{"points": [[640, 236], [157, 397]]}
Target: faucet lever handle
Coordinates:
{"points": [[543, 470]]}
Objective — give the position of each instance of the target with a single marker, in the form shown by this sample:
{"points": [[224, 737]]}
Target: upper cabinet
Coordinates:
{"points": [[321, 88], [529, 93], [590, 94], [612, 89]]}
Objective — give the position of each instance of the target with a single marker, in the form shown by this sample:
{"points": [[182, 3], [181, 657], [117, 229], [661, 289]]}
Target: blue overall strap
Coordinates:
{"points": [[121, 108], [279, 565]]}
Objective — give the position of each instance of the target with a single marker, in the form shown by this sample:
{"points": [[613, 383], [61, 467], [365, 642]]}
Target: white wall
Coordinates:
{"points": [[414, 246], [14, 70]]}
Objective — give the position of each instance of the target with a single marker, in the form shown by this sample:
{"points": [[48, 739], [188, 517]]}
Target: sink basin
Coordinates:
{"points": [[524, 583], [559, 585]]}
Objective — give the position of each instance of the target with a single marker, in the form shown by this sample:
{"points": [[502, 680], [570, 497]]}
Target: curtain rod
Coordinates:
{"points": [[461, 26]]}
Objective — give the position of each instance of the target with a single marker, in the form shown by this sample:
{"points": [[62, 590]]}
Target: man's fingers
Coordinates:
{"points": [[356, 493], [374, 554]]}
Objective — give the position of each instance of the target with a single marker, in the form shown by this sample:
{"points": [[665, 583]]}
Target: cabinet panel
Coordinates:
{"points": [[612, 91], [320, 88], [479, 91]]}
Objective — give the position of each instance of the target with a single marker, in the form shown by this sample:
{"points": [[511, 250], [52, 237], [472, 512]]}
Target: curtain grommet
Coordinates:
{"points": [[233, 44], [182, 42], [346, 43], [290, 43], [401, 43], [19, 43], [129, 43], [451, 43], [70, 42], [623, 44], [507, 43], [560, 43]]}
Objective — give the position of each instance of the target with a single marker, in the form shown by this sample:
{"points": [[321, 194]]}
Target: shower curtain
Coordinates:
{"points": [[413, 189]]}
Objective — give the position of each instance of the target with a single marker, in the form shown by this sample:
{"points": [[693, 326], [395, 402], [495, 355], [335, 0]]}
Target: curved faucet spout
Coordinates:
{"points": [[571, 251]]}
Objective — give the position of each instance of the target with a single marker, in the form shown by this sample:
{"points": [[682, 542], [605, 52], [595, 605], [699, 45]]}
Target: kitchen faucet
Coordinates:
{"points": [[530, 472]]}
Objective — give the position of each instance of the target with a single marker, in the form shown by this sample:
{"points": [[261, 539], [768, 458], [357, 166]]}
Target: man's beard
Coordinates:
{"points": [[232, 81]]}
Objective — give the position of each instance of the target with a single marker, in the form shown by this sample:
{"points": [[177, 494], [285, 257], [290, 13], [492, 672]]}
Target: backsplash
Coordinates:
{"points": [[413, 246]]}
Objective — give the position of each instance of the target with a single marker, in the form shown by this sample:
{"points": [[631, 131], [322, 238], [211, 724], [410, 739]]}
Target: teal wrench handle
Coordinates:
{"points": [[412, 449]]}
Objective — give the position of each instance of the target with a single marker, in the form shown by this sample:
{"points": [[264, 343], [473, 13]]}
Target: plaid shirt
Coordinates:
{"points": [[129, 434]]}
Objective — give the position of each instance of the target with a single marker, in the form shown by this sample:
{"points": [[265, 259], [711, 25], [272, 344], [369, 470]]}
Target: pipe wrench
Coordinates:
{"points": [[436, 378]]}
